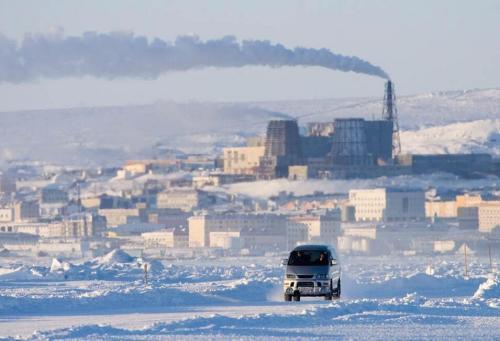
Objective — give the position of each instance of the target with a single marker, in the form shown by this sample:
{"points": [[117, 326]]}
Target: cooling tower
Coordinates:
{"points": [[349, 146], [283, 149]]}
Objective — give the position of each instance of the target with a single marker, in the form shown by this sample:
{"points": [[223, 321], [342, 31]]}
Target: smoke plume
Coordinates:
{"points": [[113, 55]]}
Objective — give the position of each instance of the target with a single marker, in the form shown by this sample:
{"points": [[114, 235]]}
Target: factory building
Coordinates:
{"points": [[467, 165], [315, 146], [324, 129], [347, 148], [359, 145], [379, 140]]}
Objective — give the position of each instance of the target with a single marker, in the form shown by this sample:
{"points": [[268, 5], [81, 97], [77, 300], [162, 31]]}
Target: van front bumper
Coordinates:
{"points": [[307, 288]]}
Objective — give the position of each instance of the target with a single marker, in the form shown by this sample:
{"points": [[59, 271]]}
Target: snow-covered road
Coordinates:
{"points": [[383, 298]]}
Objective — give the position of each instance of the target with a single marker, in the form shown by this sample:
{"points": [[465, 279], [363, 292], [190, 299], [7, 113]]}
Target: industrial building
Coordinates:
{"points": [[466, 165], [346, 148]]}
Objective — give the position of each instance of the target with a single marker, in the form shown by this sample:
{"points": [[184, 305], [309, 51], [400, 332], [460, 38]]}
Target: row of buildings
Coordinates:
{"points": [[158, 218]]}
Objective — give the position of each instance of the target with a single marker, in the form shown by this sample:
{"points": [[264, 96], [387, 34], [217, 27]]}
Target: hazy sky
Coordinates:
{"points": [[423, 45]]}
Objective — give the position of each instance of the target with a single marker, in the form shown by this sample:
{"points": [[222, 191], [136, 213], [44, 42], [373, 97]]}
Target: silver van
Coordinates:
{"points": [[312, 270]]}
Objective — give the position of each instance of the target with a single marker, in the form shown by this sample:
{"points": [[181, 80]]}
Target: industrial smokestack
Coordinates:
{"points": [[114, 55], [389, 101]]}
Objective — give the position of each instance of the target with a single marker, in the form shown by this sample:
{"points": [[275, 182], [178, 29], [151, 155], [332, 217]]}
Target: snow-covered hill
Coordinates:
{"points": [[416, 111], [463, 137], [110, 135]]}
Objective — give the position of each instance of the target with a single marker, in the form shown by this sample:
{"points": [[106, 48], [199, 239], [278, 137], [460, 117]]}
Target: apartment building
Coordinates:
{"points": [[242, 160], [441, 209], [388, 204], [185, 199], [320, 228], [119, 216], [173, 237], [488, 216], [201, 226]]}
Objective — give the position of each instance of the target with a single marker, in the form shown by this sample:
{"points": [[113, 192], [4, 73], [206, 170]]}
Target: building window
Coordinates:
{"points": [[405, 205]]}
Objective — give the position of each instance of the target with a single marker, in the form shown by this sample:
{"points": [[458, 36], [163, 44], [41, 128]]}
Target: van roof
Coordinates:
{"points": [[315, 247]]}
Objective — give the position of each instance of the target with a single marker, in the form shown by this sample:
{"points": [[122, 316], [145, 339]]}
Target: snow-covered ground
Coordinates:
{"points": [[481, 136], [106, 298], [442, 182]]}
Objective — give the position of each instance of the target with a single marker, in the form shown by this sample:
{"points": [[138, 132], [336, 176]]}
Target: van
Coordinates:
{"points": [[311, 270]]}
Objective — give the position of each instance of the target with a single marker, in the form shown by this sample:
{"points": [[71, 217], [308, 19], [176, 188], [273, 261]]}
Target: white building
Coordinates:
{"points": [[262, 239], [46, 230], [226, 240], [177, 238], [296, 233], [357, 238], [185, 199], [201, 226], [489, 216], [119, 216], [387, 204], [242, 160], [6, 215], [81, 225], [320, 228]]}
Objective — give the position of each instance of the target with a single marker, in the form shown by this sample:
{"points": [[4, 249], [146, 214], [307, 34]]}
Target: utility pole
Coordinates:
{"points": [[465, 255], [489, 254], [146, 273]]}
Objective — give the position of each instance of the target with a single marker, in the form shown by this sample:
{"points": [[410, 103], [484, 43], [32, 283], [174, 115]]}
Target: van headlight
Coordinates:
{"points": [[321, 276], [290, 276]]}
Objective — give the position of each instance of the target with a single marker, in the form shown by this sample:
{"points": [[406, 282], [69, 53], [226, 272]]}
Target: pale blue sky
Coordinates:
{"points": [[423, 45]]}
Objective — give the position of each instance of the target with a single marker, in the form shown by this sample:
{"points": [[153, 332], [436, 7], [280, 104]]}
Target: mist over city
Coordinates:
{"points": [[261, 170]]}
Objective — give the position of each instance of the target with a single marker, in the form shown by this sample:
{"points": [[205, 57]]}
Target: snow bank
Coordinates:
{"points": [[421, 283], [489, 289], [115, 256], [305, 324], [21, 273], [126, 298], [58, 266]]}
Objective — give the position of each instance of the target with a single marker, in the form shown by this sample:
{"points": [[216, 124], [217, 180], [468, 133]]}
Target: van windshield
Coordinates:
{"points": [[308, 258]]}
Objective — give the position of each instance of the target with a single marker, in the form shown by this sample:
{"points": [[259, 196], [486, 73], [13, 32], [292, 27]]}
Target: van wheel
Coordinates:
{"points": [[296, 298], [337, 291], [288, 297], [328, 297]]}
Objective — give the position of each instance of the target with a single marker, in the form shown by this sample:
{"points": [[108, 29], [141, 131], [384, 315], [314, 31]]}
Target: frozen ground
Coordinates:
{"points": [[240, 298]]}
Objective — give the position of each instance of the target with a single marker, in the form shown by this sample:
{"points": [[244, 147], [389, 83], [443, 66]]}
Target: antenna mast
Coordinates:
{"points": [[390, 113]]}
